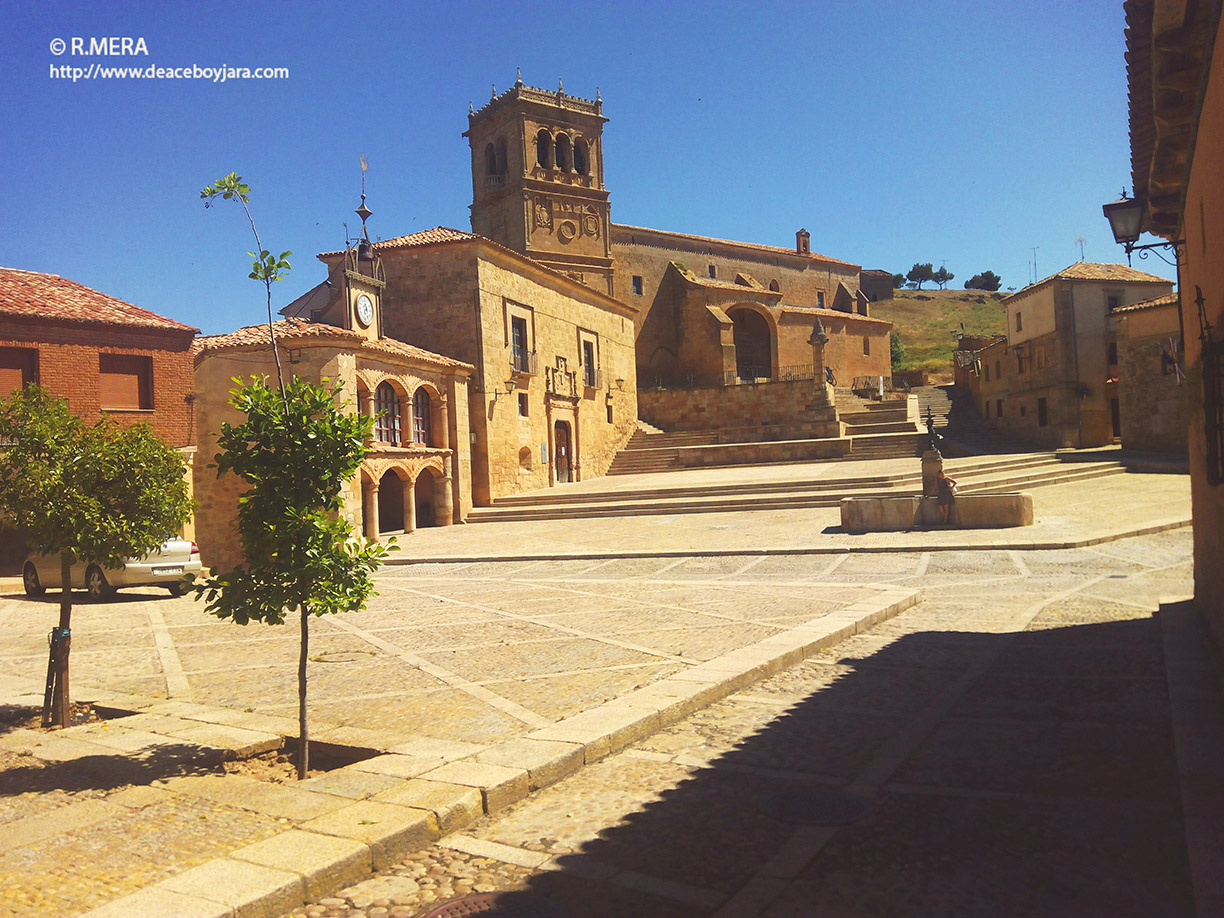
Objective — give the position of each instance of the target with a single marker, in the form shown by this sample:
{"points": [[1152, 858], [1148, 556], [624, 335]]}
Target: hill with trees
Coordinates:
{"points": [[926, 323]]}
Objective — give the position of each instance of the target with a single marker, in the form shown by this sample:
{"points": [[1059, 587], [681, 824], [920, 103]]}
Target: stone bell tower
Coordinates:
{"points": [[537, 180]]}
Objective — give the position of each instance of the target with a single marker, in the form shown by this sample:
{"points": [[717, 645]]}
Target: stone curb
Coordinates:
{"points": [[351, 837], [991, 543]]}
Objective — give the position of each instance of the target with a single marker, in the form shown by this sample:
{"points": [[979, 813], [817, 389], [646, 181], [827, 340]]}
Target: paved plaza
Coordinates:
{"points": [[593, 710]]}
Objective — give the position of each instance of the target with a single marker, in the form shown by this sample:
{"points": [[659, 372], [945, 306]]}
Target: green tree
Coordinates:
{"points": [[896, 351], [93, 494], [919, 273], [898, 281], [295, 451], [942, 276], [987, 280]]}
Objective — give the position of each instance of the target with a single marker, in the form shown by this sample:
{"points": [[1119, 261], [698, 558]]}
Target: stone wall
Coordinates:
{"points": [[781, 405], [1152, 394]]}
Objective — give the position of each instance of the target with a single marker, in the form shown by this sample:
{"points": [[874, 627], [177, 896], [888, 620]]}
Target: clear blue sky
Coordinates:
{"points": [[964, 131]]}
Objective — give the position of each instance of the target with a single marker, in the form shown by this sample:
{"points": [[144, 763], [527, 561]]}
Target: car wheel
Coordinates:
{"points": [[29, 577], [96, 584], [177, 589]]}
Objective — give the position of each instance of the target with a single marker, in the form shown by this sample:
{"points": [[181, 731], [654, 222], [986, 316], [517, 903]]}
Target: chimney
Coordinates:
{"points": [[803, 242]]}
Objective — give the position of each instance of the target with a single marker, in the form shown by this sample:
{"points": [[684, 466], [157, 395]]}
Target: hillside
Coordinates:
{"points": [[925, 320]]}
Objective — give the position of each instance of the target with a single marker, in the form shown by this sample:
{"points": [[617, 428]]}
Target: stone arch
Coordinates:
{"points": [[490, 159], [565, 157], [424, 496], [525, 458], [662, 364], [582, 156], [500, 156], [389, 399], [755, 336], [391, 516], [424, 408], [544, 148], [775, 286]]}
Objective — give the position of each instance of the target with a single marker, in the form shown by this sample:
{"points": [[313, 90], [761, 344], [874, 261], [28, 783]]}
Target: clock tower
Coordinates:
{"points": [[364, 280], [537, 180]]}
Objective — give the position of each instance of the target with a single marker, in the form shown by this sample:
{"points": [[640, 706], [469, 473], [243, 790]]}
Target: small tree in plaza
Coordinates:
{"points": [[295, 451], [91, 494]]}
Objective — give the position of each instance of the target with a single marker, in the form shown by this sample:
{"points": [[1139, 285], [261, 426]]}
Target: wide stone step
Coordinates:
{"points": [[651, 504]]}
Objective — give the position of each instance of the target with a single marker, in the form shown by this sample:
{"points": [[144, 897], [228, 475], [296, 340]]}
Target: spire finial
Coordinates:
{"points": [[560, 86], [518, 76], [471, 110], [494, 96], [364, 212]]}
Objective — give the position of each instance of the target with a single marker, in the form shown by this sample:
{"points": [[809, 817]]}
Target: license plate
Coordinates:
{"points": [[167, 570]]}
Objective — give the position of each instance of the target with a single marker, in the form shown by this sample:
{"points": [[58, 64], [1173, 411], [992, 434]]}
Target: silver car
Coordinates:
{"points": [[172, 566]]}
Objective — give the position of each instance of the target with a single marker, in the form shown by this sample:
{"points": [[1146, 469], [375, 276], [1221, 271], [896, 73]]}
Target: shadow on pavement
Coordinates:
{"points": [[108, 771], [1008, 775]]}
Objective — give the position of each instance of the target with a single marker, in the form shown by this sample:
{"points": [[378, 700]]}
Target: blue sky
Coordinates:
{"points": [[963, 132]]}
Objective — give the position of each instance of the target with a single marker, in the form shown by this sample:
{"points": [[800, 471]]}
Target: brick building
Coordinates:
{"points": [[102, 355]]}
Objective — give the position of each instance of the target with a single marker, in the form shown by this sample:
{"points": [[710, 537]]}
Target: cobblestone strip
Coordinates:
{"points": [[177, 686]]}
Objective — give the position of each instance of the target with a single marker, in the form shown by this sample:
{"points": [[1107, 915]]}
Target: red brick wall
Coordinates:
{"points": [[68, 368]]}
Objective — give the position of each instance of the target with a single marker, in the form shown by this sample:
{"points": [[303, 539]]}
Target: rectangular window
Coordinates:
{"points": [[1042, 417], [637, 284], [1113, 353], [998, 407], [998, 369], [820, 299], [1023, 410], [866, 345], [18, 366], [522, 404], [987, 373], [126, 382], [519, 352], [1019, 324], [1019, 363], [713, 271], [986, 405], [588, 363], [609, 412], [1111, 303], [1041, 358]]}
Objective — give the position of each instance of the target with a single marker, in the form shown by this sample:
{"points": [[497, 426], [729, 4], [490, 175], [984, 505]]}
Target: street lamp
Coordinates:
{"points": [[1125, 217]]}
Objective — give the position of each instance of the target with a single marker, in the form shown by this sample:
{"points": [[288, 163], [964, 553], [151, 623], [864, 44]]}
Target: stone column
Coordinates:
{"points": [[821, 390], [371, 511], [409, 504], [444, 506], [443, 427]]}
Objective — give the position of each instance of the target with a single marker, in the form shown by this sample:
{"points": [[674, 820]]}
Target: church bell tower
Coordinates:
{"points": [[537, 180]]}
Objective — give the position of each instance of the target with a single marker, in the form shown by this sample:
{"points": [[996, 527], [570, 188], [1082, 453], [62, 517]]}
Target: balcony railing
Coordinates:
{"points": [[495, 181], [592, 377], [757, 375], [523, 362]]}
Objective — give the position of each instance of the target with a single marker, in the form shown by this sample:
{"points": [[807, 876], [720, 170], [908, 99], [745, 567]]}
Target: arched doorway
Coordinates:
{"points": [[423, 495], [563, 456], [390, 503], [753, 353]]}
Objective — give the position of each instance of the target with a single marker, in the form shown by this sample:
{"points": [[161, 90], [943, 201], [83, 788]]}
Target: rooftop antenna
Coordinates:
{"points": [[1035, 274], [1080, 240]]}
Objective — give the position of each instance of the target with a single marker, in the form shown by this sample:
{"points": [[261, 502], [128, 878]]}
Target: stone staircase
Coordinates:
{"points": [[653, 450], [980, 475], [965, 432]]}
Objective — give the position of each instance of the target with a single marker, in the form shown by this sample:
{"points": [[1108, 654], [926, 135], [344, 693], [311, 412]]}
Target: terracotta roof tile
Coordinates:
{"points": [[291, 332], [33, 295], [1169, 299], [1087, 270], [424, 237], [756, 246]]}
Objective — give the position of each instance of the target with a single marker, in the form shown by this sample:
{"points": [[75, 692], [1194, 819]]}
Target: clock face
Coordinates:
{"points": [[365, 309]]}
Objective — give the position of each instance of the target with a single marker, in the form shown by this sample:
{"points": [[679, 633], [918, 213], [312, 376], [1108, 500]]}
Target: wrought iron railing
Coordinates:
{"points": [[523, 362], [745, 374]]}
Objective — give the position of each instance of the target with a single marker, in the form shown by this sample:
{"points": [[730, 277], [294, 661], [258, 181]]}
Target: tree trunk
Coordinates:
{"points": [[57, 707], [303, 733]]}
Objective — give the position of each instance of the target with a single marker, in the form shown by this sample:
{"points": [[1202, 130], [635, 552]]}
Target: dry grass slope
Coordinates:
{"points": [[926, 319]]}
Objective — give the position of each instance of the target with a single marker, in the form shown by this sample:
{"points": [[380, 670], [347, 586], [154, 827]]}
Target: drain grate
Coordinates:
{"points": [[815, 806], [497, 905]]}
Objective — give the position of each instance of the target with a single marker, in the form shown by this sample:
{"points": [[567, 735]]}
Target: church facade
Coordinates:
{"points": [[709, 313]]}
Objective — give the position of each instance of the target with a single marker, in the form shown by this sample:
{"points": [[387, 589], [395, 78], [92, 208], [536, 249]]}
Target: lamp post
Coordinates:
{"points": [[1126, 217]]}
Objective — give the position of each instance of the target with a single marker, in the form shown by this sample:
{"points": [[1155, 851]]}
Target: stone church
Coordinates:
{"points": [[522, 354], [708, 313]]}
